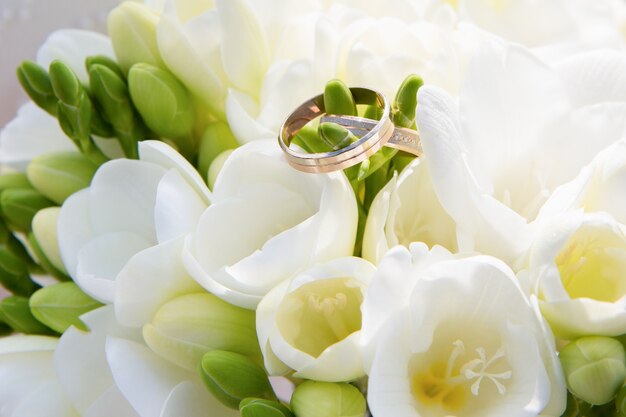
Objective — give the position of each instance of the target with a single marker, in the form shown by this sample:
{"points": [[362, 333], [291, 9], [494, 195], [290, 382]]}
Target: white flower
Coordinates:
{"points": [[578, 264], [121, 238], [312, 323], [268, 221], [29, 385], [496, 157], [565, 24], [407, 210], [468, 342], [117, 360], [33, 132]]}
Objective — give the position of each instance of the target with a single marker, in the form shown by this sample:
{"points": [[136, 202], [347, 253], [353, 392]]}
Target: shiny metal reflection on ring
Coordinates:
{"points": [[373, 134]]}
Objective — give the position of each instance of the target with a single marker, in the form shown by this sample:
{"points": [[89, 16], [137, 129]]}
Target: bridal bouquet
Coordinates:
{"points": [[160, 257]]}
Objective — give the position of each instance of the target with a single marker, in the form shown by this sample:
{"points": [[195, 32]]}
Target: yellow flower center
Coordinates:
{"points": [[319, 314], [593, 266], [448, 384]]}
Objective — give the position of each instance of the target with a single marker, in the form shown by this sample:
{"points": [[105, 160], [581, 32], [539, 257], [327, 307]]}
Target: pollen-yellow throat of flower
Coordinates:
{"points": [[589, 269], [448, 384]]}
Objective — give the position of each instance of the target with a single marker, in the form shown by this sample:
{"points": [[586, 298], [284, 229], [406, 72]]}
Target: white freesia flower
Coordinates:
{"points": [[407, 210], [492, 156], [33, 132], [578, 264], [123, 236], [117, 360], [29, 386], [312, 323], [468, 342], [73, 46], [564, 24], [268, 221]]}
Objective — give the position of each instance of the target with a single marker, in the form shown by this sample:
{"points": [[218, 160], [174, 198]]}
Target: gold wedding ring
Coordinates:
{"points": [[373, 134]]}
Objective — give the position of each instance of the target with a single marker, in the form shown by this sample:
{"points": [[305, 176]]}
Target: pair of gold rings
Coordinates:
{"points": [[373, 134]]}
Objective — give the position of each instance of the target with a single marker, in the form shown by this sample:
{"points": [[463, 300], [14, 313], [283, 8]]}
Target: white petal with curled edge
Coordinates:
{"points": [[339, 362], [73, 46], [74, 229], [240, 31], [241, 112], [33, 132], [178, 207], [166, 157], [375, 243], [122, 197], [131, 362], [100, 260], [187, 64], [190, 399], [47, 400], [85, 385], [149, 279]]}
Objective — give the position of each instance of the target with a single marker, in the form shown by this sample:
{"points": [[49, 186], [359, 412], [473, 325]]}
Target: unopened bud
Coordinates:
{"points": [[36, 83], [59, 175], [338, 99], [60, 306], [19, 206], [258, 407], [595, 368], [163, 102], [15, 312], [405, 103], [216, 139], [132, 28], [14, 275], [187, 327], [44, 229], [216, 167], [327, 399], [231, 377]]}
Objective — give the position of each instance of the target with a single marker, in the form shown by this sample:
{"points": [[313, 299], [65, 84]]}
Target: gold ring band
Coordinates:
{"points": [[373, 134]]}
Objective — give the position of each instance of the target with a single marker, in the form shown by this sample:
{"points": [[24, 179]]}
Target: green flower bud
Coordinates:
{"points": [[104, 61], [15, 312], [14, 180], [257, 407], [36, 83], [111, 92], [44, 230], [60, 306], [132, 28], [231, 377], [66, 84], [163, 103], [14, 275], [216, 139], [327, 399], [335, 136], [308, 139], [595, 368], [43, 262], [187, 327], [59, 175], [373, 112], [76, 113], [338, 99], [375, 162], [405, 104], [216, 167], [19, 206]]}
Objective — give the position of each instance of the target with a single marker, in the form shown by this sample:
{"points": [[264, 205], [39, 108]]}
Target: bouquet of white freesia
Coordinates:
{"points": [[161, 257]]}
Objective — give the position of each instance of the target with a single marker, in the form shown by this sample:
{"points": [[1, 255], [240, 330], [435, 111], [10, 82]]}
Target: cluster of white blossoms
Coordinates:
{"points": [[477, 263]]}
